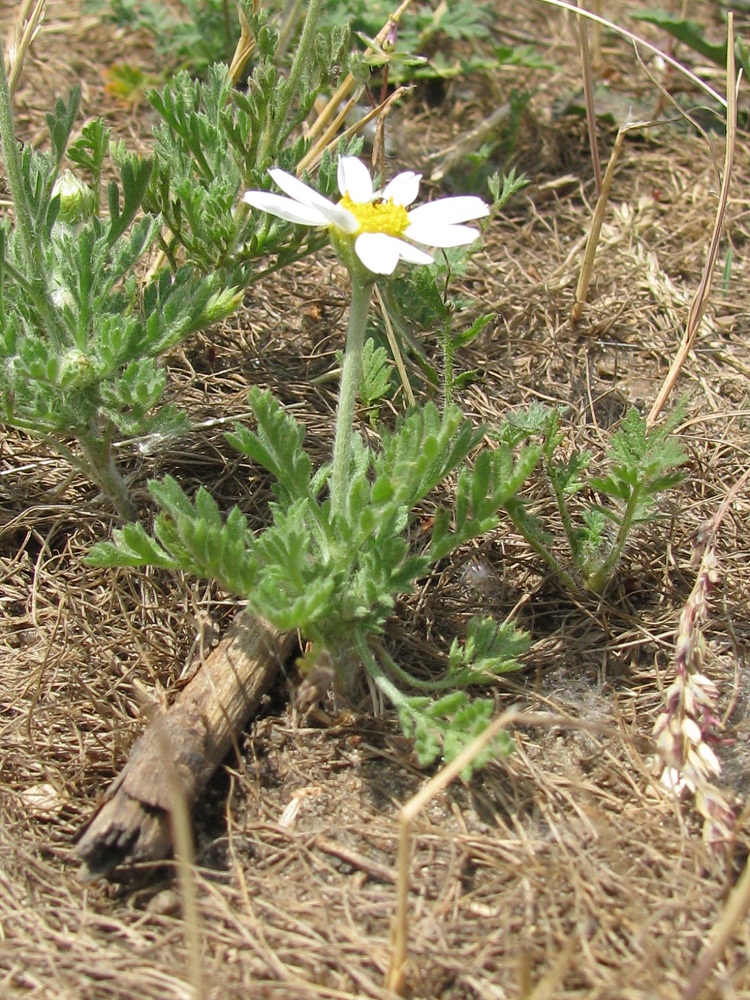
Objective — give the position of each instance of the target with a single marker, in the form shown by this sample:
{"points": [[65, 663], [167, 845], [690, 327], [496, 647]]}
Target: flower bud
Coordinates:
{"points": [[75, 367], [76, 198]]}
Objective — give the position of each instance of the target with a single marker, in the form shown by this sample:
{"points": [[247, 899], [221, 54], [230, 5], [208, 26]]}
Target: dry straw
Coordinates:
{"points": [[396, 978], [28, 25], [700, 300]]}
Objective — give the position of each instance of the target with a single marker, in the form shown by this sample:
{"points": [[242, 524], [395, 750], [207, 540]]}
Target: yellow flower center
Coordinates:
{"points": [[379, 216]]}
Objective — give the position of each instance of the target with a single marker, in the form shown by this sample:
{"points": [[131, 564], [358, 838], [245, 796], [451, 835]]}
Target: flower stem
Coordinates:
{"points": [[351, 375], [448, 346]]}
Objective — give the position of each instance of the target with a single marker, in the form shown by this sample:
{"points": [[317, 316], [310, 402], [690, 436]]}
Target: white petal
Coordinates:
{"points": [[339, 217], [290, 185], [354, 179], [404, 188], [285, 208], [378, 252], [411, 254], [447, 211], [441, 236]]}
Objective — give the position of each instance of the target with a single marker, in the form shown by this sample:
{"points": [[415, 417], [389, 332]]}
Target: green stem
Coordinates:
{"points": [[541, 550], [446, 341], [598, 581], [397, 698], [432, 687], [290, 88], [100, 467], [563, 511], [351, 375], [38, 295]]}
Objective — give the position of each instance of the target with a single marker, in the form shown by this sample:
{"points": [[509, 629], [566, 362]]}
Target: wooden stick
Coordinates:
{"points": [[133, 822]]}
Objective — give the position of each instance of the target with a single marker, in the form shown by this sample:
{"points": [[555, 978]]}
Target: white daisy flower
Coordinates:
{"points": [[378, 222]]}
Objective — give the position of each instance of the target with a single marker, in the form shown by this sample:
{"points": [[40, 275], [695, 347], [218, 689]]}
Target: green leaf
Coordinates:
{"points": [[684, 30], [61, 122], [131, 547], [467, 724], [90, 149], [423, 450], [491, 648], [503, 192], [170, 496], [377, 374], [465, 338], [135, 174], [277, 446]]}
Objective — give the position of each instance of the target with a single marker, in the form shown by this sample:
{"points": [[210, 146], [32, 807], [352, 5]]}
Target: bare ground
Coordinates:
{"points": [[561, 871]]}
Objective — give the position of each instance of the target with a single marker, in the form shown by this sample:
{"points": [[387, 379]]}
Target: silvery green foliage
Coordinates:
{"points": [[80, 335], [215, 140], [336, 577]]}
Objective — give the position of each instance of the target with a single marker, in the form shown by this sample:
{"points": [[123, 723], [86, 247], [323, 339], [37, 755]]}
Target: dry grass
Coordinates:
{"points": [[562, 871]]}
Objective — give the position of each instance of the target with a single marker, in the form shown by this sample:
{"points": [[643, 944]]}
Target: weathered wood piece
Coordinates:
{"points": [[132, 824]]}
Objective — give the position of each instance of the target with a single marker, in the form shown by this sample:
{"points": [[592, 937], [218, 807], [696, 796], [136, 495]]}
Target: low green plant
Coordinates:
{"points": [[333, 570], [83, 331], [446, 41], [193, 35], [81, 335], [342, 545], [639, 467], [338, 551], [214, 141]]}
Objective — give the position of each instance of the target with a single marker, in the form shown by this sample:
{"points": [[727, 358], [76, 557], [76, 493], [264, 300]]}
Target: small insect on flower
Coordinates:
{"points": [[378, 224]]}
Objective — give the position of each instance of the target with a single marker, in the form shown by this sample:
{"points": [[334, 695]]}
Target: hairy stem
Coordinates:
{"points": [[350, 378], [446, 341], [37, 293], [598, 582], [431, 687], [563, 511], [100, 467], [385, 685], [541, 549], [290, 89]]}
